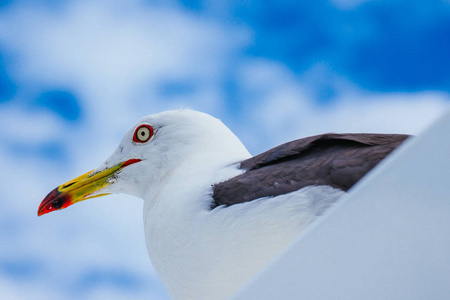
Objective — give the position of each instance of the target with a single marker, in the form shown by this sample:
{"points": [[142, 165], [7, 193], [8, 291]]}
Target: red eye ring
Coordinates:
{"points": [[142, 134]]}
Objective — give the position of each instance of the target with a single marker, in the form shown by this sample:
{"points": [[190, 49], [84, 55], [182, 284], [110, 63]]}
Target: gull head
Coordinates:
{"points": [[149, 152]]}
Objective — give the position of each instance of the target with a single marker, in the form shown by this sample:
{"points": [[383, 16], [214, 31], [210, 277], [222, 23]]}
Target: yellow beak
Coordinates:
{"points": [[80, 188]]}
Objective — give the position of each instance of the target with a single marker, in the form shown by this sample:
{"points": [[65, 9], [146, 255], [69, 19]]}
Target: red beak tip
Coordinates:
{"points": [[42, 211], [53, 201]]}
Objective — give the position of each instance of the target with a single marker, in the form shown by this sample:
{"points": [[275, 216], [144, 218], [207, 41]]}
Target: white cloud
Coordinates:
{"points": [[114, 53], [284, 108], [30, 126], [13, 290]]}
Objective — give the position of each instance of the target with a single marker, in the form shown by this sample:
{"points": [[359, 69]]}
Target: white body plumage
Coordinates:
{"points": [[201, 253]]}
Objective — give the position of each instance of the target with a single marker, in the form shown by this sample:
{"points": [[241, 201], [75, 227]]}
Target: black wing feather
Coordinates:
{"points": [[337, 160]]}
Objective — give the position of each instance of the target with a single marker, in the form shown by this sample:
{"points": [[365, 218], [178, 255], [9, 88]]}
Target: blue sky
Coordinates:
{"points": [[75, 75]]}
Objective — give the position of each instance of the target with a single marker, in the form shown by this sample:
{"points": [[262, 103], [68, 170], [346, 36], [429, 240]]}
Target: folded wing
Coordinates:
{"points": [[337, 160]]}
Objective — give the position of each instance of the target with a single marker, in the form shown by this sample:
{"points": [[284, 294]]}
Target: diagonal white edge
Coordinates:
{"points": [[388, 238]]}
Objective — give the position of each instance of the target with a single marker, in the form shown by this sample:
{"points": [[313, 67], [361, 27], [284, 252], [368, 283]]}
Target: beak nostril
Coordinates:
{"points": [[67, 185]]}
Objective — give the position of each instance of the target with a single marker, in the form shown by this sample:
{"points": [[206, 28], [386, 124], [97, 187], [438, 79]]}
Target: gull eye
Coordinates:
{"points": [[143, 133]]}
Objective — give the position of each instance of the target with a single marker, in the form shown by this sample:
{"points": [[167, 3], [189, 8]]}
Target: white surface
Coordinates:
{"points": [[388, 239]]}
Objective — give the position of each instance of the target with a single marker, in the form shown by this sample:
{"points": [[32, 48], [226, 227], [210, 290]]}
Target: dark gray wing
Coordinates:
{"points": [[337, 160]]}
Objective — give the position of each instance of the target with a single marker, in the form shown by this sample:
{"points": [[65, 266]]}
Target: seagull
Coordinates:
{"points": [[214, 215]]}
